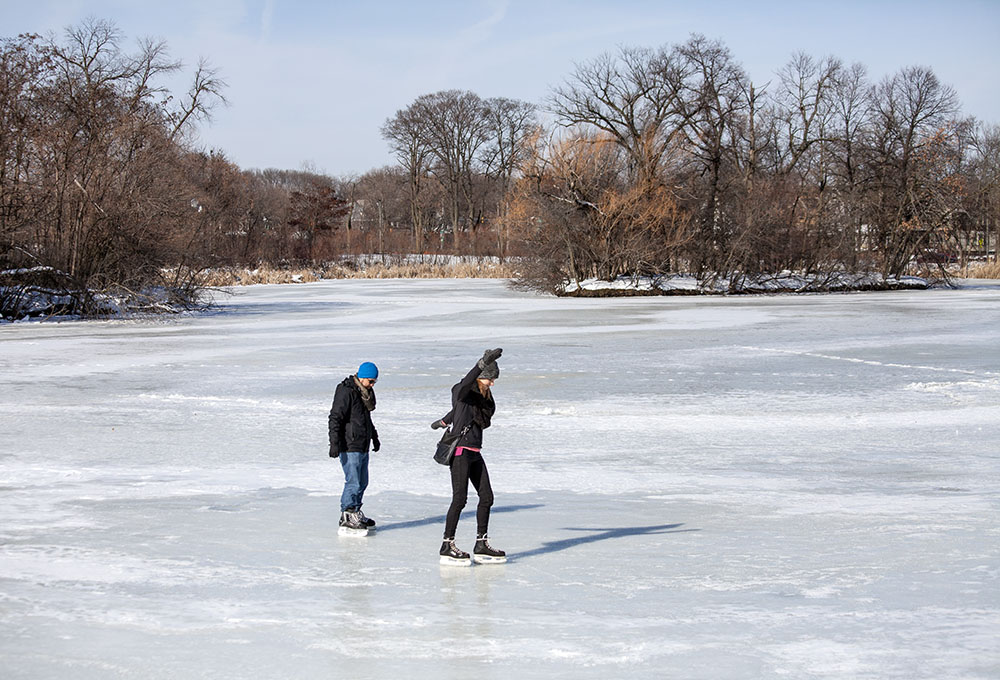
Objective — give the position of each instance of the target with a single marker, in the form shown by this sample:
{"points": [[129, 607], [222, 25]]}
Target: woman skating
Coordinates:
{"points": [[472, 409]]}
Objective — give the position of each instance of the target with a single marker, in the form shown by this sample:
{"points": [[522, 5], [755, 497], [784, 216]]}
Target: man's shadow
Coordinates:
{"points": [[598, 535]]}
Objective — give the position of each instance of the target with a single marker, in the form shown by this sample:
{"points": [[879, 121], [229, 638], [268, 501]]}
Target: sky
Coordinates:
{"points": [[311, 82]]}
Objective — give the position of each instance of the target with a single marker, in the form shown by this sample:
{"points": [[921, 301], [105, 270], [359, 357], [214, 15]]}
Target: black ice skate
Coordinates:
{"points": [[351, 523], [484, 553], [367, 521], [452, 556]]}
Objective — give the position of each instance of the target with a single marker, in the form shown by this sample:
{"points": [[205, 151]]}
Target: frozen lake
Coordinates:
{"points": [[767, 487]]}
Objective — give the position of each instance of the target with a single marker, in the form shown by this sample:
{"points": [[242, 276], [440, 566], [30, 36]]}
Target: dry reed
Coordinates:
{"points": [[217, 278], [983, 270]]}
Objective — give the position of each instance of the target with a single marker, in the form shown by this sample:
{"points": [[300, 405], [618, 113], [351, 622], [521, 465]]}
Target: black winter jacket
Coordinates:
{"points": [[351, 426], [470, 407]]}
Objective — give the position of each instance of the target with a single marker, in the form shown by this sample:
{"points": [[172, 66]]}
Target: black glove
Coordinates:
{"points": [[438, 424], [334, 453], [376, 444], [489, 357]]}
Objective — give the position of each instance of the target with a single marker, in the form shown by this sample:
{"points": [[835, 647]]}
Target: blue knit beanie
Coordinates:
{"points": [[368, 370]]}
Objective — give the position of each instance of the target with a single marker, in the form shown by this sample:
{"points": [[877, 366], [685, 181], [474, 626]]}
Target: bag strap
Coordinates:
{"points": [[450, 433], [465, 430]]}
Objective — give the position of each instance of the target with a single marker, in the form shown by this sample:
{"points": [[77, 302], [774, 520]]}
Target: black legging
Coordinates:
{"points": [[469, 467]]}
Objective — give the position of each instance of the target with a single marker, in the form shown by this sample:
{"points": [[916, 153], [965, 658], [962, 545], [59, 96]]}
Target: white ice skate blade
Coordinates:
{"points": [[455, 562], [489, 559], [347, 531]]}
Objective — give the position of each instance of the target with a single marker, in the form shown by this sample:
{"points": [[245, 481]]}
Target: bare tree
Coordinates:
{"points": [[98, 167], [513, 127], [22, 68], [456, 129], [514, 132], [805, 107], [715, 102], [985, 195], [636, 97], [317, 210], [909, 110], [205, 93], [408, 137], [383, 192], [848, 131]]}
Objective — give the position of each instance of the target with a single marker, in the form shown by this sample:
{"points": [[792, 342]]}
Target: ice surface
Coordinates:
{"points": [[769, 487]]}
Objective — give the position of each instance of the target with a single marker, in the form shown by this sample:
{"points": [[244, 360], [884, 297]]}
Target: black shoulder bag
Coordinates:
{"points": [[449, 442]]}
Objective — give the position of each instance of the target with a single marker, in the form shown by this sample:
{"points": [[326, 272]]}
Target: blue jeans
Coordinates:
{"points": [[355, 464]]}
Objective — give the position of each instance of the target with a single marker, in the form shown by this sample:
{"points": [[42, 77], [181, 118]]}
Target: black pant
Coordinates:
{"points": [[469, 467]]}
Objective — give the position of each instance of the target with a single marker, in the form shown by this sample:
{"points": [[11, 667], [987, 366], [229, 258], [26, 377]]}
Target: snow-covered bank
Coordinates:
{"points": [[785, 282], [712, 487], [42, 304], [47, 293]]}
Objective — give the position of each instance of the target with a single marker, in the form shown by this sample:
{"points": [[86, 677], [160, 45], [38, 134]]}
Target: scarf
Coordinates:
{"points": [[367, 394], [483, 415]]}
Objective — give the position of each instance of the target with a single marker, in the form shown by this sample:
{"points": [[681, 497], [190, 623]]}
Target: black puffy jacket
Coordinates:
{"points": [[351, 426], [470, 407]]}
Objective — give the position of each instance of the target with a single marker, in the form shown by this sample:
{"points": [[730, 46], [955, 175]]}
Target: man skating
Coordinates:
{"points": [[352, 434]]}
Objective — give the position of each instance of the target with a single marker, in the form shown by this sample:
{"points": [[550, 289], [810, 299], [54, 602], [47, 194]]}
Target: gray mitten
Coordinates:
{"points": [[490, 356]]}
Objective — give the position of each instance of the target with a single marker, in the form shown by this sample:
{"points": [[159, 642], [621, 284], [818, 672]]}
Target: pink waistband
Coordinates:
{"points": [[459, 450]]}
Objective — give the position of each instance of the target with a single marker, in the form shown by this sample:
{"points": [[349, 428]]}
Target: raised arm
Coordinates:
{"points": [[468, 382]]}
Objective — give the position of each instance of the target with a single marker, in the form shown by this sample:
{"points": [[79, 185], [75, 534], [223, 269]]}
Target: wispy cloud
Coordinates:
{"points": [[484, 28], [266, 19]]}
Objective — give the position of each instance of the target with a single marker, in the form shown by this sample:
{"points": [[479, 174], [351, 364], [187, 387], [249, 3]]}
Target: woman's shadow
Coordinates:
{"points": [[467, 514], [598, 535], [595, 534]]}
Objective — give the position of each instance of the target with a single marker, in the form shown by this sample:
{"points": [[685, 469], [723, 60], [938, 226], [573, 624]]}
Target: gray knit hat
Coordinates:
{"points": [[490, 372]]}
